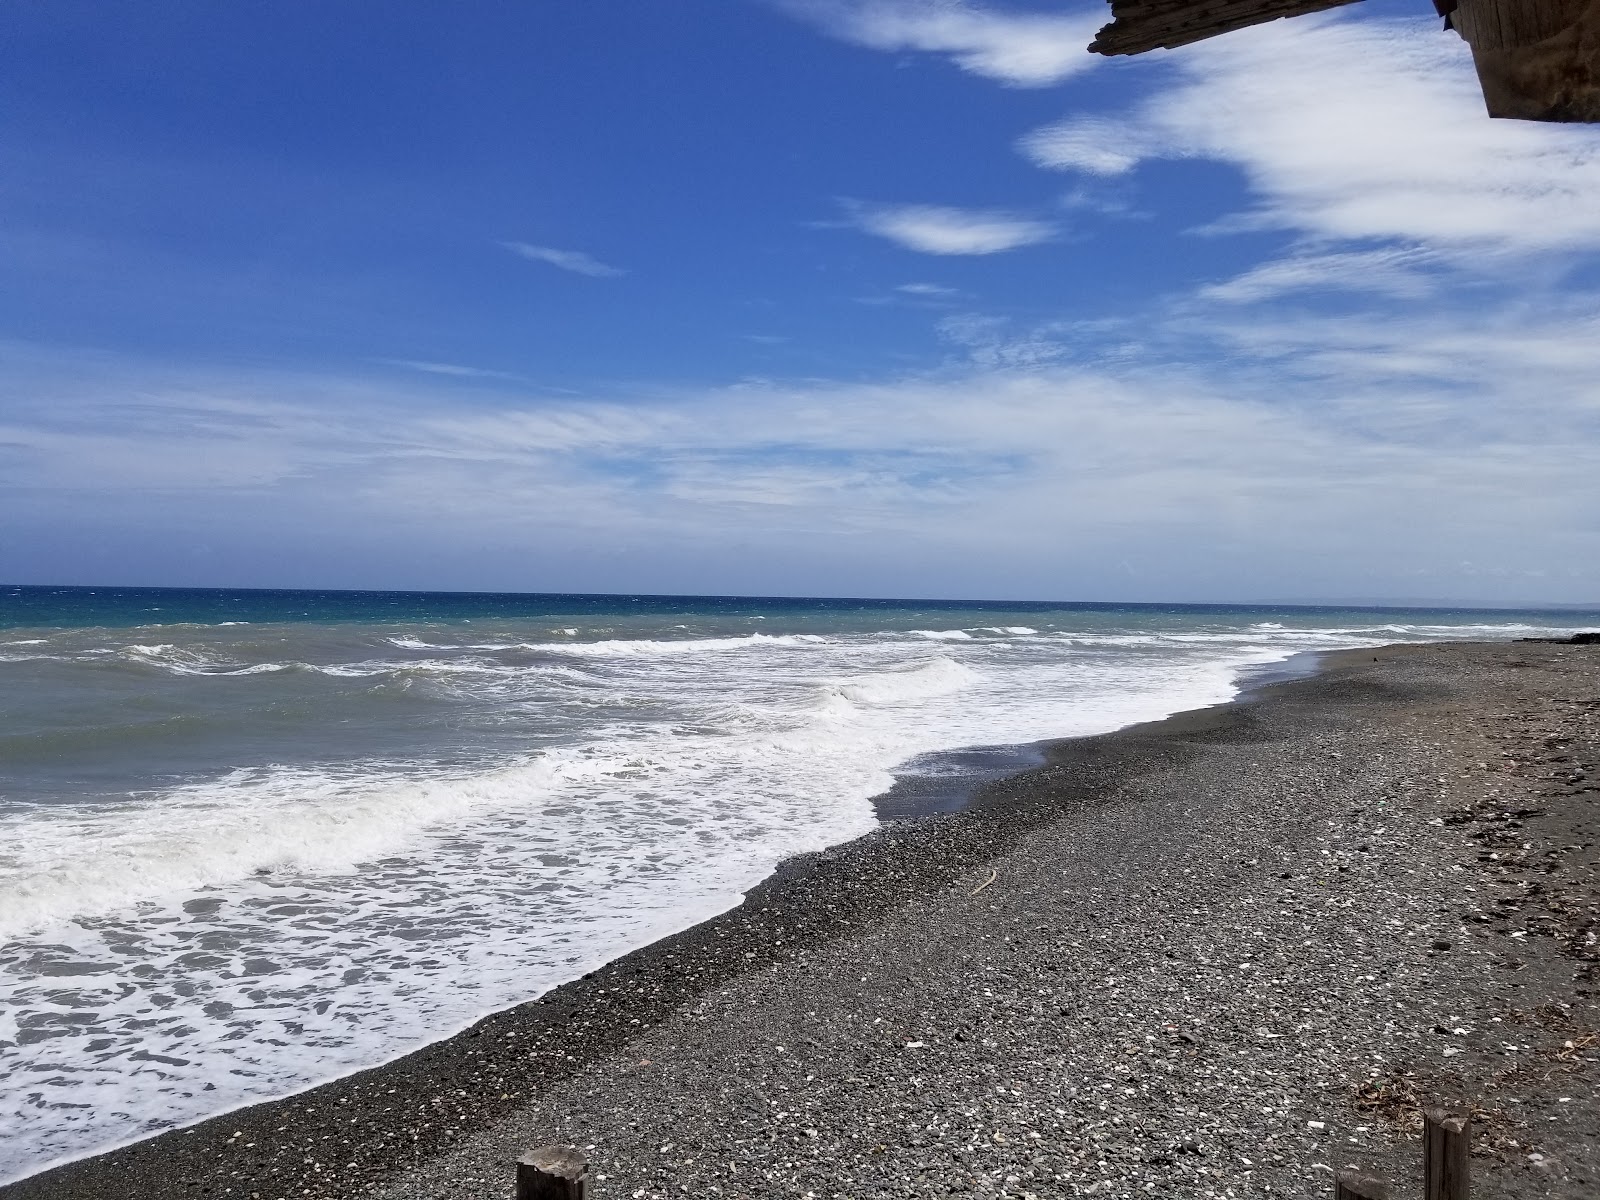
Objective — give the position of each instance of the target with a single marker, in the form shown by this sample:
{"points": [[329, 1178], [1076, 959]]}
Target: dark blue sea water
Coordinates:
{"points": [[110, 606], [252, 840]]}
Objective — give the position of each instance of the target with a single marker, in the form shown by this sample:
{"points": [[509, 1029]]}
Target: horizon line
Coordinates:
{"points": [[1370, 605]]}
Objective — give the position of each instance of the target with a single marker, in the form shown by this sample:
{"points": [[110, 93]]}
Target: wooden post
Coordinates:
{"points": [[1351, 1185], [553, 1173], [1538, 60], [1445, 1147]]}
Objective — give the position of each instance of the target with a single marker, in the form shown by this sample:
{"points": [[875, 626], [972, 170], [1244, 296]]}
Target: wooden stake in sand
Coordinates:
{"points": [[1446, 1143], [1350, 1185], [553, 1173]]}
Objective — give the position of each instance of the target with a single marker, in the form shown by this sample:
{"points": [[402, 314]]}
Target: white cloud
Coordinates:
{"points": [[934, 229], [1096, 145], [568, 260], [1231, 455], [915, 295], [452, 370], [1351, 130], [1016, 49], [1400, 273], [1483, 364], [992, 343]]}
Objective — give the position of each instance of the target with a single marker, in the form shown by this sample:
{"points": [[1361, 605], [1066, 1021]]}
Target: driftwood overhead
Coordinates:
{"points": [[1537, 60]]}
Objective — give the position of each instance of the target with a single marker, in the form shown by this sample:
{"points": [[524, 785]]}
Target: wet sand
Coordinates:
{"points": [[1220, 954]]}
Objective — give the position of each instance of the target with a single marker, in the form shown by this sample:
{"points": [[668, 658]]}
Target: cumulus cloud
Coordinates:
{"points": [[1015, 49], [1350, 130], [575, 261], [935, 229]]}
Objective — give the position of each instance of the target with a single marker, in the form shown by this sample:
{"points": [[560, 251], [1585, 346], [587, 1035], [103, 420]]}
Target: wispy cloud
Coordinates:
{"points": [[451, 370], [1221, 443], [936, 229], [1351, 130], [992, 342], [575, 261], [1016, 49], [1404, 274], [1226, 453], [930, 296], [1095, 145]]}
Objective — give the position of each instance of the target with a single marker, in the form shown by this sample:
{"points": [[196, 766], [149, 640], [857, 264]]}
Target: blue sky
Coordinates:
{"points": [[877, 297]]}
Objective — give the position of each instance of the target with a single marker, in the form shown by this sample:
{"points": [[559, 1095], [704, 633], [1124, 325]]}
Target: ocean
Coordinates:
{"points": [[251, 841]]}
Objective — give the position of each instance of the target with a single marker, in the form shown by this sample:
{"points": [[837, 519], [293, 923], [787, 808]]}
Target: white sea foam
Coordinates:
{"points": [[251, 822], [937, 677], [372, 904], [658, 647], [177, 660]]}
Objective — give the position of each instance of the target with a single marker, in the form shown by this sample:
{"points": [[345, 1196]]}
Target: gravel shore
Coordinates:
{"points": [[1219, 955]]}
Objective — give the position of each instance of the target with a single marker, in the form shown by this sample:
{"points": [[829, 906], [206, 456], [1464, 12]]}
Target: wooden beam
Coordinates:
{"points": [[1537, 60], [1506, 24], [1140, 25]]}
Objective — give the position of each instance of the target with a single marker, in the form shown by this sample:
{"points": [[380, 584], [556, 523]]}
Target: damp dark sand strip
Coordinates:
{"points": [[952, 780], [1218, 954]]}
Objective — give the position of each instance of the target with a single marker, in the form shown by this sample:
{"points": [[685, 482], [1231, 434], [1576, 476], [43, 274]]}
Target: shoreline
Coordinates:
{"points": [[420, 1113], [912, 799], [959, 775], [957, 779]]}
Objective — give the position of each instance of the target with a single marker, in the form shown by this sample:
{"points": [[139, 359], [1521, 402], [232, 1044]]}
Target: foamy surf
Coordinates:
{"points": [[324, 844]]}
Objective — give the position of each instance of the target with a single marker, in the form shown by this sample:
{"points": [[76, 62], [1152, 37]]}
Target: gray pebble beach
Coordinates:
{"points": [[1225, 954]]}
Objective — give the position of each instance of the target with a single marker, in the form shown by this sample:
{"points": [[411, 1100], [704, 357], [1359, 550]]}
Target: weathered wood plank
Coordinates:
{"points": [[553, 1173], [1141, 25], [1446, 1144], [1537, 60], [1555, 78], [1506, 24]]}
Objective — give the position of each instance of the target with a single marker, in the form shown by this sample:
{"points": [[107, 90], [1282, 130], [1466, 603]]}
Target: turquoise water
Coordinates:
{"points": [[254, 840]]}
